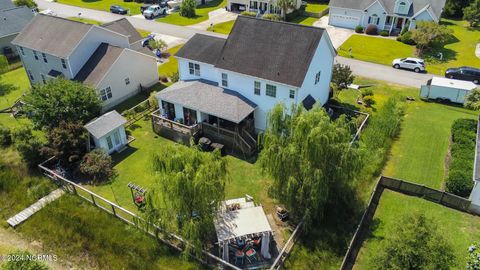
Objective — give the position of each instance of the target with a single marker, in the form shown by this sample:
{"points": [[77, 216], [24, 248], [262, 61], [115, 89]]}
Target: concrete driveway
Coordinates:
{"points": [[217, 16], [337, 35]]}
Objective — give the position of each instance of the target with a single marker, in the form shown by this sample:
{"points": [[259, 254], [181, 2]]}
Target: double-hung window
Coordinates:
{"points": [[106, 93], [317, 77], [127, 81], [22, 51], [194, 69], [35, 55], [271, 90], [292, 94], [224, 80], [257, 87], [64, 63], [44, 58], [30, 75]]}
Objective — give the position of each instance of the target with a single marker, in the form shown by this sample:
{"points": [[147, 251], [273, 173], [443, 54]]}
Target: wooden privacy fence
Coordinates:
{"points": [[127, 216], [404, 187]]}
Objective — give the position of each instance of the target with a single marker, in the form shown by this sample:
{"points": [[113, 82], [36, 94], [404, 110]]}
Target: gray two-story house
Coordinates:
{"points": [[108, 58]]}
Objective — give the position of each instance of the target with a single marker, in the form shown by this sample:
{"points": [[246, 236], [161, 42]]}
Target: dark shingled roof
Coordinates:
{"points": [[52, 35], [124, 27], [104, 124], [206, 96], [202, 48], [14, 19], [275, 51], [98, 65]]}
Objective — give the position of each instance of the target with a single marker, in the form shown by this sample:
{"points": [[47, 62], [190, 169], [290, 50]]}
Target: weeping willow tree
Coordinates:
{"points": [[190, 187], [310, 159]]}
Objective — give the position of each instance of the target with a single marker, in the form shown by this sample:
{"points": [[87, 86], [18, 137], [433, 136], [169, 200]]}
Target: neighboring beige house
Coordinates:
{"points": [[108, 57], [13, 19]]}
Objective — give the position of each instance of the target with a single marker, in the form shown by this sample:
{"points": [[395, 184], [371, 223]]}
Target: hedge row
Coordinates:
{"points": [[460, 180]]}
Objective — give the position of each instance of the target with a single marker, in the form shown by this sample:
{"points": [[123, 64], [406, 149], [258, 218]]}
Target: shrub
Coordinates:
{"points": [[28, 145], [271, 17], [152, 100], [406, 38], [98, 165], [384, 33], [342, 76], [163, 78], [5, 136], [369, 101], [187, 8], [67, 142], [174, 77], [371, 29], [459, 183], [21, 261], [359, 29], [366, 92], [459, 180], [248, 13], [404, 30], [472, 101], [28, 3]]}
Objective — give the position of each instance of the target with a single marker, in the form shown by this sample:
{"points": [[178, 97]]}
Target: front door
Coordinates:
{"points": [[399, 23]]}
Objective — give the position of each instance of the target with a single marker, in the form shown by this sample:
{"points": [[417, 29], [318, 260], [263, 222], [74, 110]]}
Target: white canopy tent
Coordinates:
{"points": [[248, 221]]}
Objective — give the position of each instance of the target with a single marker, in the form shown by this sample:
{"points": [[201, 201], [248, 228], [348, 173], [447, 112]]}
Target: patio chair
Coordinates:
{"points": [[251, 255], [239, 257]]}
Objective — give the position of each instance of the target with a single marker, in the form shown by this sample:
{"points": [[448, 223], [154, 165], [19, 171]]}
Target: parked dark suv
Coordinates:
{"points": [[464, 73]]}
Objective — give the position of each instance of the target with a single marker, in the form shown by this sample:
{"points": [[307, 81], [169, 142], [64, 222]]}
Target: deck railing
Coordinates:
{"points": [[178, 127], [229, 135]]}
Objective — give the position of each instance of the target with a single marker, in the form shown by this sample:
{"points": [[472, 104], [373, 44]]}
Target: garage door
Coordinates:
{"points": [[344, 21]]}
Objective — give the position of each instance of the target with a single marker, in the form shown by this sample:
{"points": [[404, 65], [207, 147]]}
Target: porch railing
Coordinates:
{"points": [[164, 122], [229, 135]]}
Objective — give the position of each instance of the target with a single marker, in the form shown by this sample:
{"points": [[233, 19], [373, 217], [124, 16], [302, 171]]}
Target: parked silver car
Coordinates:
{"points": [[415, 64]]}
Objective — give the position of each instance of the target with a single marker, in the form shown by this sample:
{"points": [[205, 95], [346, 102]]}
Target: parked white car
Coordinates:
{"points": [[415, 64], [154, 11]]}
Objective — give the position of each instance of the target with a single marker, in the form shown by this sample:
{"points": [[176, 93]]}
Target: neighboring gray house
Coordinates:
{"points": [[108, 132], [389, 15], [109, 58], [12, 21]]}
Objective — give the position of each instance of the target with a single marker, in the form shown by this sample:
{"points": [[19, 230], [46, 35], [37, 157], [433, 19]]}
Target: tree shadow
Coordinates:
{"points": [[6, 88], [117, 158]]}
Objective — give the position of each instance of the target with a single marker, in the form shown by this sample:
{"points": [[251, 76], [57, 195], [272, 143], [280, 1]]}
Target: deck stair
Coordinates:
{"points": [[32, 209]]}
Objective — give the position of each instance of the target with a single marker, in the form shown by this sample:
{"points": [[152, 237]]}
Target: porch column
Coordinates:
{"points": [[403, 24], [393, 24]]}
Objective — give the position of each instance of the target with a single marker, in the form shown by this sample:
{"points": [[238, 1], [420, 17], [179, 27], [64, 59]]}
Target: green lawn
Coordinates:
{"points": [[418, 155], [201, 11], [459, 51], [223, 28], [304, 20], [171, 65], [104, 5], [18, 83], [315, 7]]}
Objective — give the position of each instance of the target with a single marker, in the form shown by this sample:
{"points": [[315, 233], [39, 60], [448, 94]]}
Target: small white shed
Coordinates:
{"points": [[444, 89], [108, 131]]}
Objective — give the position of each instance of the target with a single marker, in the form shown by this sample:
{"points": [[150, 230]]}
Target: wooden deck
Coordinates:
{"points": [[32, 209]]}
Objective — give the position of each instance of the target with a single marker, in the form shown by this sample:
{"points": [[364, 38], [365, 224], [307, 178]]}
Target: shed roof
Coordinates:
{"points": [[104, 124], [209, 98], [454, 84], [98, 64], [232, 224], [14, 19]]}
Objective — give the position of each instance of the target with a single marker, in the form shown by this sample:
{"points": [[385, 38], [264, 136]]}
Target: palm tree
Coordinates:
{"points": [[285, 5]]}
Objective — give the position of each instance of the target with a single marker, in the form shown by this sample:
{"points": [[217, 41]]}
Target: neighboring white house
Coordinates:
{"points": [[109, 58], [108, 132], [258, 6], [13, 20], [389, 15], [235, 82]]}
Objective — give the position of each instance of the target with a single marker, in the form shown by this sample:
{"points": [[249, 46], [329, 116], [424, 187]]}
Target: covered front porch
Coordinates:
{"points": [[395, 24], [194, 109]]}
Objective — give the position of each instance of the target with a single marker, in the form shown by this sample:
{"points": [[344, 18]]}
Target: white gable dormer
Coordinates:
{"points": [[402, 6]]}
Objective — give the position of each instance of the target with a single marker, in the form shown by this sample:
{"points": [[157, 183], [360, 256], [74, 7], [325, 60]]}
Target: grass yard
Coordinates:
{"points": [[223, 28], [17, 83], [315, 7], [418, 155], [460, 51], [104, 5], [201, 11], [304, 20], [171, 65], [134, 165]]}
